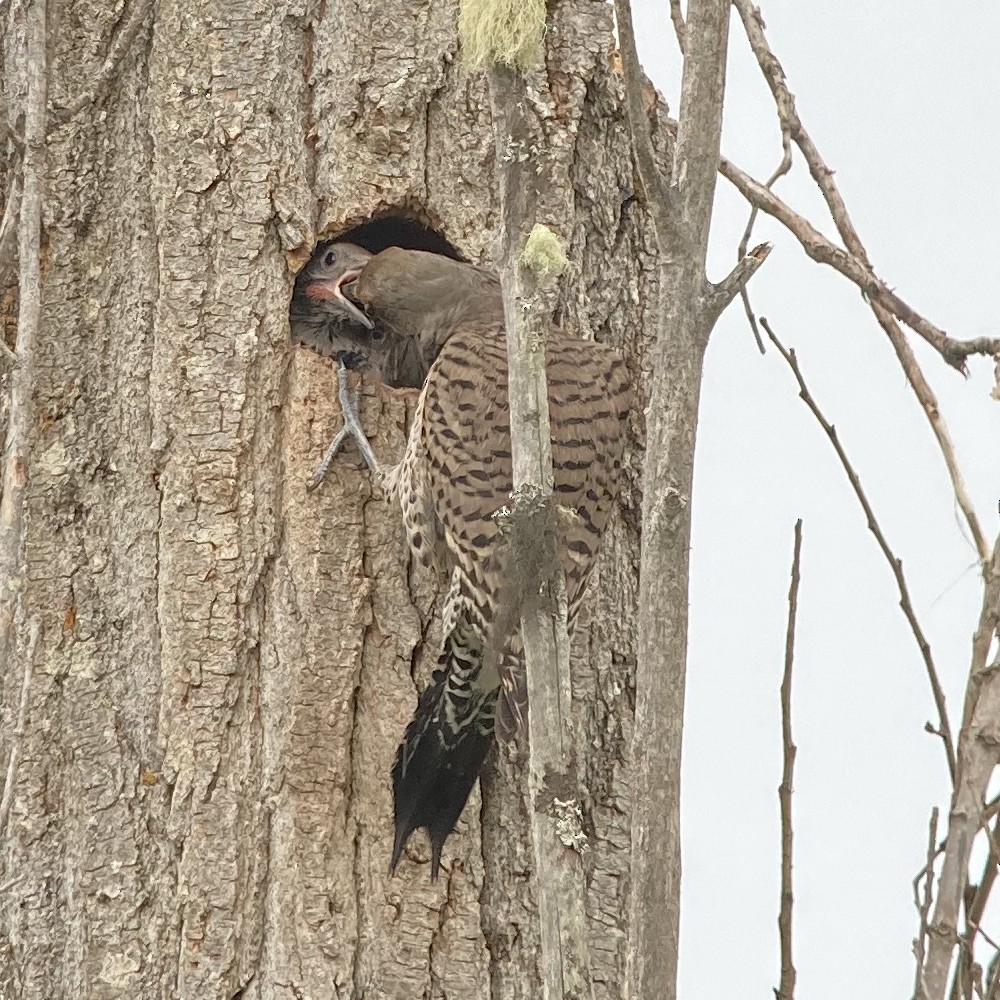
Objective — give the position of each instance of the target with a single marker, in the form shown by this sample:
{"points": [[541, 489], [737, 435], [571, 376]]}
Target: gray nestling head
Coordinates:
{"points": [[324, 319]]}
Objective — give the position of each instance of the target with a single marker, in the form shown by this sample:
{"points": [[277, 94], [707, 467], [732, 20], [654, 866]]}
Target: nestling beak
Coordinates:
{"points": [[334, 291]]}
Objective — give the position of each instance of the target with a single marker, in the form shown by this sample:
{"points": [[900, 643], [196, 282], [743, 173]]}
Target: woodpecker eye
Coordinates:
{"points": [[329, 258], [377, 335]]}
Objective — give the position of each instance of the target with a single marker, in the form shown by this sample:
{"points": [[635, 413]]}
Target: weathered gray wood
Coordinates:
{"points": [[32, 62], [681, 193], [553, 778]]}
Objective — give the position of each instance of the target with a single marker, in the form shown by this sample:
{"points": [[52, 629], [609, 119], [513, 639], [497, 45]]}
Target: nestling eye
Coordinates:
{"points": [[377, 335], [329, 258]]}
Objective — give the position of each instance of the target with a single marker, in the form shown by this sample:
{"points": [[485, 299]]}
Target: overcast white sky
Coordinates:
{"points": [[902, 99]]}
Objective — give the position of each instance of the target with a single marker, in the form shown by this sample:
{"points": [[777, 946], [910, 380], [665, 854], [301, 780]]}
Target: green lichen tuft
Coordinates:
{"points": [[543, 253], [504, 32]]}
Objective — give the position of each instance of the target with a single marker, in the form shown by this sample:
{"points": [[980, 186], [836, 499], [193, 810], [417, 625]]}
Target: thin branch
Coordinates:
{"points": [[822, 250], [784, 100], [680, 28], [819, 248], [895, 564], [783, 167], [21, 413], [926, 874], [109, 71], [932, 410], [17, 736], [786, 988]]}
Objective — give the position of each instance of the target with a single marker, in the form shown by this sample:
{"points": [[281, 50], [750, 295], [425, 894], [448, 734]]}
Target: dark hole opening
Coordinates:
{"points": [[396, 230]]}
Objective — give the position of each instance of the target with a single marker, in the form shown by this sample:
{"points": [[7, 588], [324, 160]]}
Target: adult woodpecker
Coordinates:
{"points": [[408, 317]]}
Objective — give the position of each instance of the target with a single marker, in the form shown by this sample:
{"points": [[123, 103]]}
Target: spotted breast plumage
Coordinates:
{"points": [[454, 477]]}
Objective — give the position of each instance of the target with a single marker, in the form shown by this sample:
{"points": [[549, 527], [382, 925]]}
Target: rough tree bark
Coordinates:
{"points": [[202, 805]]}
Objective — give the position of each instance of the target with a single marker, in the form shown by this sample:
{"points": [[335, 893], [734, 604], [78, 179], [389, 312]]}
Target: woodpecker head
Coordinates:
{"points": [[421, 299], [325, 319]]}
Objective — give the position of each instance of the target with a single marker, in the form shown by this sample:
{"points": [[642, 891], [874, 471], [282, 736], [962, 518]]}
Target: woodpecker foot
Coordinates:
{"points": [[349, 405]]}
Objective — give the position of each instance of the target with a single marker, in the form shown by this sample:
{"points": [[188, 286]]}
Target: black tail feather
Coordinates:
{"points": [[442, 751]]}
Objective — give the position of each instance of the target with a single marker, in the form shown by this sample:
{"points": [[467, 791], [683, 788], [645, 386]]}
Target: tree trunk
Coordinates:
{"points": [[202, 806]]}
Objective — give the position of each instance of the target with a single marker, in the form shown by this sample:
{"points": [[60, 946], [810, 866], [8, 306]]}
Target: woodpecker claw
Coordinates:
{"points": [[349, 405]]}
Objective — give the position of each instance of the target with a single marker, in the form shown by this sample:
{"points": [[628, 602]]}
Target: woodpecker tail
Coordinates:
{"points": [[444, 746]]}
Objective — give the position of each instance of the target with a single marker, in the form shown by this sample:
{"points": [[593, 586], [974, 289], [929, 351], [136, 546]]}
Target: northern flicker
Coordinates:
{"points": [[446, 318]]}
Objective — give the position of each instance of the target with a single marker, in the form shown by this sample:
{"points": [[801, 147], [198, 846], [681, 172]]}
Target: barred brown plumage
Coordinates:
{"points": [[446, 319]]}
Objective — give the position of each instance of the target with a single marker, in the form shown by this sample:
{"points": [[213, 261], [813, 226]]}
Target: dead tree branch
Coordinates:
{"points": [[923, 905], [21, 414], [17, 734], [976, 898], [680, 28], [885, 304], [782, 168], [786, 987], [679, 201], [982, 890], [822, 250], [978, 752], [953, 351], [978, 756], [552, 757], [895, 564], [553, 781]]}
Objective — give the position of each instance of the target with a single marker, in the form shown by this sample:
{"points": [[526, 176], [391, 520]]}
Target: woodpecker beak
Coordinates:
{"points": [[334, 292]]}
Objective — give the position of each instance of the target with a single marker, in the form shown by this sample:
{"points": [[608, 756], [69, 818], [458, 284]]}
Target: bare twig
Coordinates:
{"points": [[17, 735], [783, 167], [108, 73], [784, 100], [786, 987], [680, 28], [926, 875], [18, 444], [821, 172], [885, 303], [932, 410], [895, 564]]}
